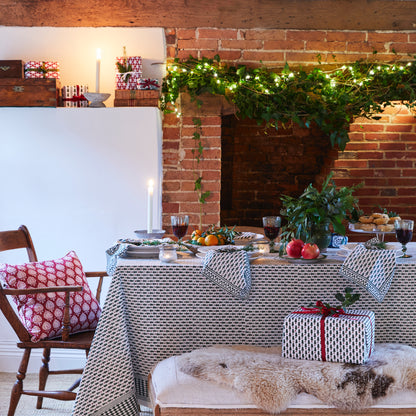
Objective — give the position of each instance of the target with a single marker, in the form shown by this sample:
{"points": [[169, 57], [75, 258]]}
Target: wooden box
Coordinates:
{"points": [[136, 98], [11, 69], [31, 92]]}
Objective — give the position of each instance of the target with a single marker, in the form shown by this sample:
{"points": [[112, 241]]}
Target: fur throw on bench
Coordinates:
{"points": [[272, 382]]}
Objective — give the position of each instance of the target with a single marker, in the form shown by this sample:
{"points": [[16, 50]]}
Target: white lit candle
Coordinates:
{"points": [[97, 72], [150, 207]]}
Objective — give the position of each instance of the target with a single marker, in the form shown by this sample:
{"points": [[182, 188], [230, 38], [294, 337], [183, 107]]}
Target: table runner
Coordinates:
{"points": [[154, 311]]}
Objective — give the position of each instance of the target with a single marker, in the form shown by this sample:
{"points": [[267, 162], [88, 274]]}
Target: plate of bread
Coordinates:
{"points": [[374, 223]]}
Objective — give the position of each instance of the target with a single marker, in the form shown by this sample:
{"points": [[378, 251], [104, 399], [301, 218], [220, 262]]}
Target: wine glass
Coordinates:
{"points": [[179, 225], [404, 233], [271, 227]]}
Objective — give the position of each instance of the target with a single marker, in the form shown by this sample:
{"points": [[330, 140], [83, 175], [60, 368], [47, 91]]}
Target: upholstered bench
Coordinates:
{"points": [[174, 393]]}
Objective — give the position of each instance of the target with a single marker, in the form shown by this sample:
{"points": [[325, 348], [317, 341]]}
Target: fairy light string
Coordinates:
{"points": [[331, 97]]}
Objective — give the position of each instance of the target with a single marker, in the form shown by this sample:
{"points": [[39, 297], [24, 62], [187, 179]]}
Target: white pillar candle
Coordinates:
{"points": [[150, 207], [97, 72]]}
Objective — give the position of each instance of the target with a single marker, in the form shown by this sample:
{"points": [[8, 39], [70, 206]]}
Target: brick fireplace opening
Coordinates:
{"points": [[260, 165]]}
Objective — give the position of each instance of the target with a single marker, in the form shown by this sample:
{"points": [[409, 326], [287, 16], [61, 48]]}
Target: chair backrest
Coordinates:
{"points": [[11, 240]]}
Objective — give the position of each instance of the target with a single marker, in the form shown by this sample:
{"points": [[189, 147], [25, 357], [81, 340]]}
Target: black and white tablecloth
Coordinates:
{"points": [[155, 310]]}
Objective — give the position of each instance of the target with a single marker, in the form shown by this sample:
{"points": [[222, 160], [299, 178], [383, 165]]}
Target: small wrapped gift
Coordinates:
{"points": [[41, 69], [73, 96], [148, 84], [129, 71], [327, 334]]}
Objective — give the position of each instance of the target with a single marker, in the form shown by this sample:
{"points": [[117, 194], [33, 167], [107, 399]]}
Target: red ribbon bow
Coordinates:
{"points": [[147, 84], [326, 311], [76, 98]]}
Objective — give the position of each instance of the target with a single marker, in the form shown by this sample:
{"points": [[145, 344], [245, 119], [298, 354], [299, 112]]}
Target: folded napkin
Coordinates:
{"points": [[371, 268], [112, 254], [230, 270]]}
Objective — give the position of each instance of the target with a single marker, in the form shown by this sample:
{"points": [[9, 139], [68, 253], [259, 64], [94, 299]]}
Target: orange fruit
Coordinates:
{"points": [[196, 233], [221, 239], [211, 240], [201, 240]]}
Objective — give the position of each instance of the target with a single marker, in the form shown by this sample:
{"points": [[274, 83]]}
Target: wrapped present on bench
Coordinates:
{"points": [[328, 334]]}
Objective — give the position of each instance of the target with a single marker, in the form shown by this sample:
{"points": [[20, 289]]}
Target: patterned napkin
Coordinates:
{"points": [[112, 253], [230, 270], [370, 268]]}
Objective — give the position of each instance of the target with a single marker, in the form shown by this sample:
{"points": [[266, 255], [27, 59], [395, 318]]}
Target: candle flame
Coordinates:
{"points": [[99, 53], [150, 183]]}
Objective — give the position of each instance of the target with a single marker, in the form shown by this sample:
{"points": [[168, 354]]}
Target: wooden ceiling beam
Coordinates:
{"points": [[271, 14]]}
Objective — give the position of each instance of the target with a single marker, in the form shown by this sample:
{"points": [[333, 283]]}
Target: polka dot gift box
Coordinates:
{"points": [[346, 336]]}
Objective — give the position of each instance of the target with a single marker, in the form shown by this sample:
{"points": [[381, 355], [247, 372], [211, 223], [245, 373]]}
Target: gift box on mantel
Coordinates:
{"points": [[136, 98], [327, 334], [42, 69], [73, 95], [129, 71]]}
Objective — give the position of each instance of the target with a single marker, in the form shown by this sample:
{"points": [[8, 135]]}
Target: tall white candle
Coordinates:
{"points": [[150, 207], [97, 71]]}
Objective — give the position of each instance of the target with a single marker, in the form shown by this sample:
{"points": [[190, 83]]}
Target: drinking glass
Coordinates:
{"points": [[179, 225], [271, 226], [404, 233]]}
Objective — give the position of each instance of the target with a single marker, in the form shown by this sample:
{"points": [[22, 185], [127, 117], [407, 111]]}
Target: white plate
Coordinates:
{"points": [[304, 261], [373, 231], [351, 246], [251, 254], [204, 249], [242, 241]]}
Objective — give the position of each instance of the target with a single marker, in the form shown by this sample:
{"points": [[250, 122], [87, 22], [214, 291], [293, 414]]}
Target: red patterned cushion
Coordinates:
{"points": [[42, 314]]}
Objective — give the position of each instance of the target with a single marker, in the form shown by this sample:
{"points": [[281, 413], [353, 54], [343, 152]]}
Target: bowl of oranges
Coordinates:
{"points": [[213, 236]]}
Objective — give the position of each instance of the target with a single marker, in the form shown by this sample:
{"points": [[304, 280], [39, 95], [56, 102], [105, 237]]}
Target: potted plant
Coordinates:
{"points": [[310, 215]]}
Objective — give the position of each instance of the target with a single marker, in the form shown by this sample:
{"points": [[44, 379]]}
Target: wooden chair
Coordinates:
{"points": [[20, 238]]}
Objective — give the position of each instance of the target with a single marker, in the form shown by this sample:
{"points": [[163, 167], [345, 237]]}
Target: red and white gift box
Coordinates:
{"points": [[346, 336], [148, 84], [129, 80], [73, 95], [42, 69]]}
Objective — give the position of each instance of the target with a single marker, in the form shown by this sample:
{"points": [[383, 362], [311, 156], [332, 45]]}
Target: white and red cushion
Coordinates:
{"points": [[42, 314]]}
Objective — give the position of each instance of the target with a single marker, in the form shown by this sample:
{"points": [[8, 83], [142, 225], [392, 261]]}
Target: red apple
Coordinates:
{"points": [[310, 251], [294, 248]]}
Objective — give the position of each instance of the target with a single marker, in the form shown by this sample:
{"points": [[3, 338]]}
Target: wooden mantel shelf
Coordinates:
{"points": [[267, 14]]}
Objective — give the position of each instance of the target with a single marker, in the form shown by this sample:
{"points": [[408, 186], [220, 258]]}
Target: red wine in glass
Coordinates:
{"points": [[179, 230], [179, 225], [271, 232], [404, 236], [271, 226], [404, 233]]}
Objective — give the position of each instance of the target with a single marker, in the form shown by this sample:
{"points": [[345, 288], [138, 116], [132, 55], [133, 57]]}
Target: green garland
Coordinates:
{"points": [[331, 98]]}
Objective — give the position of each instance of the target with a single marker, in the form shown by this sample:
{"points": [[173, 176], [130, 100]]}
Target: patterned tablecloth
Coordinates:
{"points": [[155, 310]]}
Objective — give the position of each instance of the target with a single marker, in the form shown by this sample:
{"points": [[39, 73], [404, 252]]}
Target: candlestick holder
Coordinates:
{"points": [[154, 235], [96, 99]]}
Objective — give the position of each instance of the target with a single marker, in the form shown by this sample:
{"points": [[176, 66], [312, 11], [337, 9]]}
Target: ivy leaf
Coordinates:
{"points": [[198, 184], [204, 196]]}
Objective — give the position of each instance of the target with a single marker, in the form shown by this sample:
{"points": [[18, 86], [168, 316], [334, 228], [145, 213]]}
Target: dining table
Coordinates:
{"points": [[154, 310]]}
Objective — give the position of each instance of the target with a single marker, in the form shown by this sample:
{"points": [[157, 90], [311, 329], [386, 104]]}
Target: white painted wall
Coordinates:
{"points": [[75, 50], [77, 177]]}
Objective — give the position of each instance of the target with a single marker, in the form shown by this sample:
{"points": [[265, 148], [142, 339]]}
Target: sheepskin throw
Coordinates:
{"points": [[272, 382]]}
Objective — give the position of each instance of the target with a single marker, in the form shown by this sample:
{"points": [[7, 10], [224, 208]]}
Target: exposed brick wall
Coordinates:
{"points": [[382, 154]]}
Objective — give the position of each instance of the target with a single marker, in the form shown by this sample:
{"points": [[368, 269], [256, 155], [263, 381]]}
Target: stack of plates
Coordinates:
{"points": [[141, 252]]}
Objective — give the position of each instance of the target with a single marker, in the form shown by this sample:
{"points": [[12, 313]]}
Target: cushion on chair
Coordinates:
{"points": [[42, 314]]}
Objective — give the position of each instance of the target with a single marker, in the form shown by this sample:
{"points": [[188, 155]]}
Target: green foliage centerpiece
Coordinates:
{"points": [[313, 211]]}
